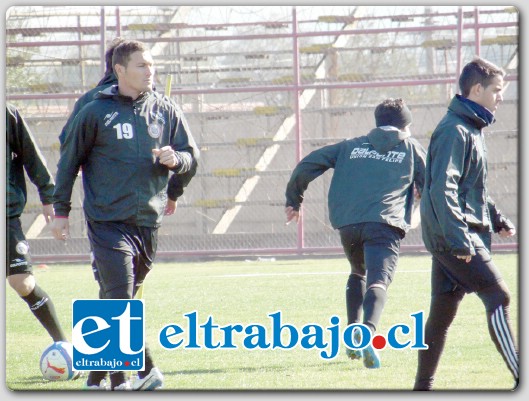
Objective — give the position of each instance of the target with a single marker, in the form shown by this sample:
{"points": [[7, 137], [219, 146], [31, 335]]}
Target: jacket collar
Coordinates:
{"points": [[109, 79], [478, 115], [112, 91]]}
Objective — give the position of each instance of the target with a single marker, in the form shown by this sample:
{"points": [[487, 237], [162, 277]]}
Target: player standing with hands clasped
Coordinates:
{"points": [[126, 141], [371, 200], [458, 218]]}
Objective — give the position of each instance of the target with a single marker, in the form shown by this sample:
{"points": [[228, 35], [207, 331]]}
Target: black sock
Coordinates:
{"points": [[42, 307], [443, 309], [354, 297], [149, 364], [117, 378], [374, 302], [95, 377]]}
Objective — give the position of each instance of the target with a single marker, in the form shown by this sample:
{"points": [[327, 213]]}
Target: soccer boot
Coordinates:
{"points": [[123, 387], [353, 354], [102, 386], [371, 357], [152, 381]]}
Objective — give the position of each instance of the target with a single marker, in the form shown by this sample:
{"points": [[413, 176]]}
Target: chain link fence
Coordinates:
{"points": [[262, 86]]}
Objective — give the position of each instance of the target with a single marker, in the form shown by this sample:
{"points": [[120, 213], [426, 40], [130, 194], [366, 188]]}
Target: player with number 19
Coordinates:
{"points": [[126, 140], [177, 182]]}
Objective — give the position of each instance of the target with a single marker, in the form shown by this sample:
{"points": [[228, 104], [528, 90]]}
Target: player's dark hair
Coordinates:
{"points": [[393, 112], [123, 51], [110, 52], [478, 71]]}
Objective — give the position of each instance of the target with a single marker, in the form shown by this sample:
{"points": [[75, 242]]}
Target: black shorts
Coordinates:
{"points": [[123, 254], [450, 273], [372, 250], [18, 260]]}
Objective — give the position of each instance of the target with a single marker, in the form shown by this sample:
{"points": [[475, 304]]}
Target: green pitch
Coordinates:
{"points": [[305, 291]]}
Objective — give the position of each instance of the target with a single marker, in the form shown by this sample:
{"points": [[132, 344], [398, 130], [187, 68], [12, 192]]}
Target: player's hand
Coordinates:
{"points": [[170, 207], [166, 156], [416, 193], [507, 233], [466, 258], [60, 228], [48, 212], [292, 215]]}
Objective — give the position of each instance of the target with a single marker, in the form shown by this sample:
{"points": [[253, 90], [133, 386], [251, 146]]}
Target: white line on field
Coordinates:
{"points": [[301, 274]]}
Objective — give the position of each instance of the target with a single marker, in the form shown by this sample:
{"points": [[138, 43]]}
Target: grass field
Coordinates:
{"points": [[305, 291]]}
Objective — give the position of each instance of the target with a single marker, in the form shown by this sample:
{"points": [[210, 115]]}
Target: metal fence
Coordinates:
{"points": [[261, 87]]}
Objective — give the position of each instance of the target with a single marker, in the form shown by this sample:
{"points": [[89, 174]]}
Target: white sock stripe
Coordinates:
{"points": [[507, 337], [503, 335], [498, 331]]}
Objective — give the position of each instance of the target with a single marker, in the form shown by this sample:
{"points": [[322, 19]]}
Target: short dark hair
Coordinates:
{"points": [[110, 52], [393, 112], [123, 51], [478, 71]]}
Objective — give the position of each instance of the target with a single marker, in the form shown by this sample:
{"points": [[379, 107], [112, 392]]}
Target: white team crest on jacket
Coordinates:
{"points": [[154, 130], [22, 248]]}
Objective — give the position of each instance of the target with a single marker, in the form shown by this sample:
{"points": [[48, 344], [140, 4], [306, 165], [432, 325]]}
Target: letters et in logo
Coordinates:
{"points": [[108, 334]]}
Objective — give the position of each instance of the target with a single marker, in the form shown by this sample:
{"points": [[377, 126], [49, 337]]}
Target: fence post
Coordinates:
{"points": [[459, 45], [299, 145]]}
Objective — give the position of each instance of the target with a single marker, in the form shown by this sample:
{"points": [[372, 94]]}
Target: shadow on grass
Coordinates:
{"points": [[33, 383], [246, 369]]}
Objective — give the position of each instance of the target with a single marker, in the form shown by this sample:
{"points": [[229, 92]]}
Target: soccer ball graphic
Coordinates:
{"points": [[56, 362]]}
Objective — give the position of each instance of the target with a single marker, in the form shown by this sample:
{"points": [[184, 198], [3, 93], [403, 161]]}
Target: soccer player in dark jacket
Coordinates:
{"points": [[458, 218], [371, 198], [22, 154], [177, 182], [126, 140]]}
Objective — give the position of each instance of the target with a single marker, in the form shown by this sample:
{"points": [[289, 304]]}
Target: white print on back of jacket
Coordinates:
{"points": [[365, 153]]}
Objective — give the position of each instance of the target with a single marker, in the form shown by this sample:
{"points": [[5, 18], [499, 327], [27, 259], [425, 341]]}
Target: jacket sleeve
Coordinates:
{"points": [[184, 145], [447, 165], [497, 219], [33, 160], [77, 145], [308, 169], [419, 166], [178, 182]]}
